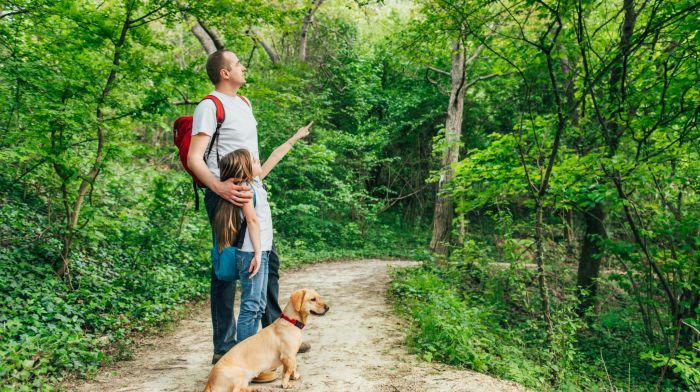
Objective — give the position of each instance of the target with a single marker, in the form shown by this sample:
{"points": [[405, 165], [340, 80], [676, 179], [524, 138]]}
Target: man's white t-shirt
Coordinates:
{"points": [[239, 129], [264, 214]]}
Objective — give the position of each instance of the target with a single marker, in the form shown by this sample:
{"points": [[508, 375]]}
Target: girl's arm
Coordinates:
{"points": [[254, 233], [282, 150]]}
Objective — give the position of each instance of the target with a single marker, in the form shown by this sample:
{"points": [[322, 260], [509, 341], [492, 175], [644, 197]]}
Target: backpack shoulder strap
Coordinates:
{"points": [[220, 113], [220, 116], [247, 102]]}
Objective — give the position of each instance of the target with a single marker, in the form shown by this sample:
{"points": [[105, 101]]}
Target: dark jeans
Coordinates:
{"points": [[223, 294]]}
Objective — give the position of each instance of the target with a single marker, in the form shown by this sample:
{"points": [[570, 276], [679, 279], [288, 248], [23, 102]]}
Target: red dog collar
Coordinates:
{"points": [[296, 323]]}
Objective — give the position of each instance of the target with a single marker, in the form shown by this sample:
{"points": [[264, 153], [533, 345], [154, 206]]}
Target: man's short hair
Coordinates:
{"points": [[215, 63]]}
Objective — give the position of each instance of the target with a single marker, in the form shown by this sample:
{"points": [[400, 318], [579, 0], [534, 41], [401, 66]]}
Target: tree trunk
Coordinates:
{"points": [[258, 37], [590, 258], [308, 19], [542, 279], [204, 38], [215, 37], [569, 87], [444, 206], [539, 191], [591, 249], [618, 73], [567, 218], [572, 110], [73, 213]]}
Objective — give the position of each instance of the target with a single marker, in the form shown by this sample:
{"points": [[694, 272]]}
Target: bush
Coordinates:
{"points": [[127, 274], [467, 314], [450, 328]]}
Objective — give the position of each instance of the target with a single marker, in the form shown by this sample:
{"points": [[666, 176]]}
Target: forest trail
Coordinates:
{"points": [[357, 346]]}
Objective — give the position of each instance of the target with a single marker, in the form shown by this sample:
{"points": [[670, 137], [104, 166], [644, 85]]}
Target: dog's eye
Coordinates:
{"points": [[313, 299]]}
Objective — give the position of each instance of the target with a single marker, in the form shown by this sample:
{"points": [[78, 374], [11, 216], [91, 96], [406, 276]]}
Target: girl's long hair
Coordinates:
{"points": [[237, 164]]}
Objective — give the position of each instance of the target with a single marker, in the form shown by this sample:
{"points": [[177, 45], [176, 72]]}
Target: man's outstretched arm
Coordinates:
{"points": [[236, 194]]}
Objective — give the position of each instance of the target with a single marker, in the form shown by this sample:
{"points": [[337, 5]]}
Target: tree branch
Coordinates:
{"points": [[258, 37], [203, 38], [215, 37], [485, 77]]}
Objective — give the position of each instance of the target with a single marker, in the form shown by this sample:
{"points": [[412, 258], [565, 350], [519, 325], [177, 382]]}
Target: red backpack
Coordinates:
{"points": [[182, 136]]}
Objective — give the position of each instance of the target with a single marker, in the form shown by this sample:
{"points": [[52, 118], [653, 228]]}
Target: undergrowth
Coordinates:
{"points": [[485, 317]]}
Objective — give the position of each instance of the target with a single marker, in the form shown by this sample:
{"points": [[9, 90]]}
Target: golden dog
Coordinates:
{"points": [[275, 345]]}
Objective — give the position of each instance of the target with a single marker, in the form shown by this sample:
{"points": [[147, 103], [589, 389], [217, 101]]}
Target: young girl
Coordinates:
{"points": [[252, 257]]}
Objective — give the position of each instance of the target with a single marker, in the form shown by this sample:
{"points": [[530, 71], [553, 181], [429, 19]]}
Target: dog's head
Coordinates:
{"points": [[307, 301]]}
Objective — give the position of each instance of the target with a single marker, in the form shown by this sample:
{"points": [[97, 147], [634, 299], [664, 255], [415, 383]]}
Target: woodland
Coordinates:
{"points": [[540, 158]]}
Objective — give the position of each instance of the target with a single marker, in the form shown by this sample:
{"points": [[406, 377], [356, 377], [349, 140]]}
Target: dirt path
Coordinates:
{"points": [[357, 346]]}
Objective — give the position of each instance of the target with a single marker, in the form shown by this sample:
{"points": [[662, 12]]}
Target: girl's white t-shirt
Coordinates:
{"points": [[239, 129], [264, 214]]}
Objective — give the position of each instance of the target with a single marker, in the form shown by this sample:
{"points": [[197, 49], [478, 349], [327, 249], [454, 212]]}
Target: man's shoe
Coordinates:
{"points": [[216, 358], [266, 376], [304, 347]]}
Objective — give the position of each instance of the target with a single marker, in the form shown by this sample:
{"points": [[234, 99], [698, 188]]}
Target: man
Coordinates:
{"points": [[239, 130]]}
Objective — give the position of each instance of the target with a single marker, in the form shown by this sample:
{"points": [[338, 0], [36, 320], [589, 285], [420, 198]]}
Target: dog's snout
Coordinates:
{"points": [[320, 309]]}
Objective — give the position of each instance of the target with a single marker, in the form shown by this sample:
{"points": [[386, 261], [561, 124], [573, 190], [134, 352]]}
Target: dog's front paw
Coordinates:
{"points": [[295, 376], [286, 385]]}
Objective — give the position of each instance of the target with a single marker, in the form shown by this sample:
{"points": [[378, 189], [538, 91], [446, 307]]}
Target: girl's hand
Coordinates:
{"points": [[303, 132], [254, 266]]}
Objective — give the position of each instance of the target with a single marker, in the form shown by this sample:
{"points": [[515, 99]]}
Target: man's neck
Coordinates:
{"points": [[227, 89]]}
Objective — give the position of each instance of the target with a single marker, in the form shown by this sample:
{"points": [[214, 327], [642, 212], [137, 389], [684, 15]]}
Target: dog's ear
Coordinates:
{"points": [[298, 299]]}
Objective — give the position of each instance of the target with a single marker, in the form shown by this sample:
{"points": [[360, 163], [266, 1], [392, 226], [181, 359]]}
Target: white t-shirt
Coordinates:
{"points": [[239, 129], [264, 214]]}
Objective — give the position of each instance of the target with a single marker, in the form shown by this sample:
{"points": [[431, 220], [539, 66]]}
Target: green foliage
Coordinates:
{"points": [[138, 253], [86, 114], [685, 364], [451, 328], [137, 272], [583, 122], [460, 317]]}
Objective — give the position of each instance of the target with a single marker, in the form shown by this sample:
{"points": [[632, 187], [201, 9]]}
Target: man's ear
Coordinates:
{"points": [[298, 299]]}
